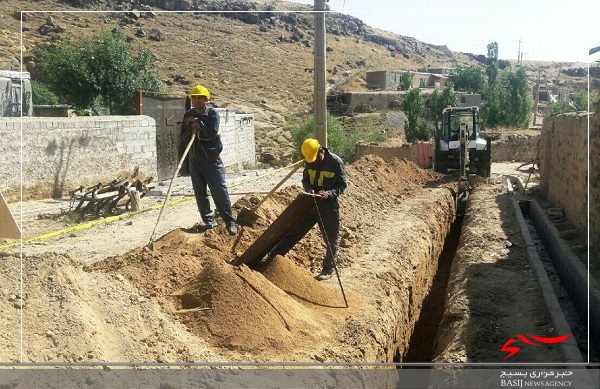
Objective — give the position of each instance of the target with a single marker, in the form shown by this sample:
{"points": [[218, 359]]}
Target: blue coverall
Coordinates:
{"points": [[206, 166]]}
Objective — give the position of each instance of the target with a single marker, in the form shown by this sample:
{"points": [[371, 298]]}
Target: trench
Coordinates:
{"points": [[561, 278], [422, 341], [565, 280]]}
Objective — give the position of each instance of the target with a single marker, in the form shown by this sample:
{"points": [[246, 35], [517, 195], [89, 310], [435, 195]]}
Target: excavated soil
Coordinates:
{"points": [[184, 302]]}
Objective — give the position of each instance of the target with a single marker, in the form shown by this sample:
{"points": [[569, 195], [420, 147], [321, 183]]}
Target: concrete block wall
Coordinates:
{"points": [[237, 136], [564, 163], [59, 154]]}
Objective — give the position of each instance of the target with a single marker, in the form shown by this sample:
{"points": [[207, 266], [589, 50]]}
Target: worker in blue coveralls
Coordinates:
{"points": [[206, 167], [324, 175]]}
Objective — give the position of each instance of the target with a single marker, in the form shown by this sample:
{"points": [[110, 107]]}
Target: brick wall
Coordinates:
{"points": [[563, 164]]}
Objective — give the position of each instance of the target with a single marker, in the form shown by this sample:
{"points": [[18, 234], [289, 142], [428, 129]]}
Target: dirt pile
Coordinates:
{"points": [[236, 307], [70, 315], [10, 303]]}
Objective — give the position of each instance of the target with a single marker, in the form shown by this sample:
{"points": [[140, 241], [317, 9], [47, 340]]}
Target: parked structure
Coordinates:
{"points": [[15, 94], [392, 79], [445, 71]]}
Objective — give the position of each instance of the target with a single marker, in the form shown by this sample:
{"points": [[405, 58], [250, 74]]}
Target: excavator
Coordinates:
{"points": [[459, 145]]}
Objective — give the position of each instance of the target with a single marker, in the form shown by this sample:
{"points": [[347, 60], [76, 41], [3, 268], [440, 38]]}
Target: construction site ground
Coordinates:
{"points": [[97, 295]]}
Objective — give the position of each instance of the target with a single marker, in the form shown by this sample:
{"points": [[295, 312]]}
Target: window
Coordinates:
{"points": [[421, 82]]}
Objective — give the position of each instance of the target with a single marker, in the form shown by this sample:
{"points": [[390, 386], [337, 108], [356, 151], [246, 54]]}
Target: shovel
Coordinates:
{"points": [[248, 216], [150, 244]]}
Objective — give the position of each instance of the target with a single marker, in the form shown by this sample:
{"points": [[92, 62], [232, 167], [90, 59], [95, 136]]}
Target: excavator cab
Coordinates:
{"points": [[459, 145]]}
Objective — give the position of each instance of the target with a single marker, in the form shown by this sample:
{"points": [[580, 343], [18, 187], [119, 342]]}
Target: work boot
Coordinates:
{"points": [[207, 226], [232, 229], [325, 275]]}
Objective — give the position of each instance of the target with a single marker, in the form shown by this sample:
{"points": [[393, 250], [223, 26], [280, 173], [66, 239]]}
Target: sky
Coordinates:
{"points": [[549, 30]]}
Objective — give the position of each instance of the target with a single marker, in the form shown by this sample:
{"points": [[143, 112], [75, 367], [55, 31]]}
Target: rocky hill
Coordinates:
{"points": [[254, 56]]}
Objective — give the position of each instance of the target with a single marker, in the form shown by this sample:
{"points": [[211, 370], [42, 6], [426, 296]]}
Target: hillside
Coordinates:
{"points": [[257, 62]]}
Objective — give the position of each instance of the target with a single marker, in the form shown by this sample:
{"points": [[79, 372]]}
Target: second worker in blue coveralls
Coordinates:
{"points": [[324, 174], [206, 167]]}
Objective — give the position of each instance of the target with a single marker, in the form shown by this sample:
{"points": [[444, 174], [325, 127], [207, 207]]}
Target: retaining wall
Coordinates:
{"points": [[388, 151]]}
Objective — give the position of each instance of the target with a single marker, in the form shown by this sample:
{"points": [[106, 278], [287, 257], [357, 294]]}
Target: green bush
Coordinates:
{"points": [[105, 65], [339, 141], [42, 95], [413, 106]]}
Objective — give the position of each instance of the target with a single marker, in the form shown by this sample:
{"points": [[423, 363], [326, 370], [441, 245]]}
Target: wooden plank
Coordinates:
{"points": [[277, 230], [8, 226]]}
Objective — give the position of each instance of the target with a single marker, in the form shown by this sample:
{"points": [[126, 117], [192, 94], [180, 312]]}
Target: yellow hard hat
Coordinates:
{"points": [[199, 90], [310, 149]]}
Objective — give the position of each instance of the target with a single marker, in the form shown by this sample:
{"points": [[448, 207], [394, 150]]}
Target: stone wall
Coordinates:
{"points": [[388, 151], [377, 100], [514, 147], [563, 164]]}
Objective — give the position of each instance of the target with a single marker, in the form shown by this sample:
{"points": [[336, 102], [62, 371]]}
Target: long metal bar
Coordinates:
{"points": [[150, 244], [328, 244]]}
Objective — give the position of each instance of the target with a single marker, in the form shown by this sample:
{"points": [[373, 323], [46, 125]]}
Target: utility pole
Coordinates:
{"points": [[536, 96], [520, 54], [548, 99], [319, 76]]}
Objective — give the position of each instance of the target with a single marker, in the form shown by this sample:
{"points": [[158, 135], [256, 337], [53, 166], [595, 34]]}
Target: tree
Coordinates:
{"points": [[492, 63], [469, 79], [491, 110], [339, 141], [406, 80], [439, 101], [580, 100], [102, 68], [491, 113], [413, 106], [516, 104]]}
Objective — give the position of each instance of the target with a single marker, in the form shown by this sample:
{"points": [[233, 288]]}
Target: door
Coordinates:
{"points": [[168, 112]]}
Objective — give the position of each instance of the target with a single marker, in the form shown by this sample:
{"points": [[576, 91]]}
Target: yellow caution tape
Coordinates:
{"points": [[111, 219]]}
